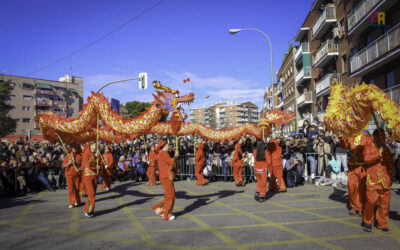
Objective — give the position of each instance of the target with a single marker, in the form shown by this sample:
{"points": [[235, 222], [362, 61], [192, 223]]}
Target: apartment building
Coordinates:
{"points": [[278, 98], [286, 76], [225, 114], [32, 96]]}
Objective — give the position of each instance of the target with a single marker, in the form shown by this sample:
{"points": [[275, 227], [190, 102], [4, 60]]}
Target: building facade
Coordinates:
{"points": [[286, 76], [32, 96], [340, 39], [225, 114]]}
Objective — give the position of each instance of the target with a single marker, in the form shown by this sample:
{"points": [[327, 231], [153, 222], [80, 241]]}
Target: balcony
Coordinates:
{"points": [[301, 33], [280, 105], [360, 18], [327, 51], [394, 93], [324, 22], [303, 49], [59, 104], [304, 99], [303, 74], [380, 52], [44, 103], [45, 92], [322, 86]]}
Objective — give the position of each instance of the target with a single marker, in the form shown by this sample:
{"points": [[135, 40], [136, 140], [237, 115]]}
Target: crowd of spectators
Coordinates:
{"points": [[313, 155]]}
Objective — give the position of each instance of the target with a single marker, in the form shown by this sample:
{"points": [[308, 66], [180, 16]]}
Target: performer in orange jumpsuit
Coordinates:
{"points": [[167, 175], [151, 171], [90, 178], [356, 176], [199, 161], [260, 169], [237, 163], [380, 168], [107, 162], [274, 160], [72, 176]]}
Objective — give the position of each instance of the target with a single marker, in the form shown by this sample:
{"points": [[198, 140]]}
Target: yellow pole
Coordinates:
{"points": [[97, 143], [263, 135], [66, 152]]}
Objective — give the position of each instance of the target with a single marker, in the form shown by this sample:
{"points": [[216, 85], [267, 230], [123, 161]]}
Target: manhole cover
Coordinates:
{"points": [[308, 196]]}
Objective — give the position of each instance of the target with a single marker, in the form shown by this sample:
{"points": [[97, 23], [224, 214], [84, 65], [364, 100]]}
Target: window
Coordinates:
{"points": [[12, 85], [26, 120], [26, 108], [27, 85], [344, 64], [390, 83], [27, 97], [342, 28], [10, 97]]}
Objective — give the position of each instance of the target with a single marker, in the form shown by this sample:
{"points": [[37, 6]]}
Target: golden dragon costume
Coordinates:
{"points": [[350, 109]]}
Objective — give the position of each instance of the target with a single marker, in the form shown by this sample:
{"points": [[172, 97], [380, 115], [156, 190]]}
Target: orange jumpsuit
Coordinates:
{"points": [[90, 178], [260, 169], [237, 165], [151, 171], [356, 177], [73, 178], [106, 173], [199, 161], [275, 164], [165, 165], [379, 169]]}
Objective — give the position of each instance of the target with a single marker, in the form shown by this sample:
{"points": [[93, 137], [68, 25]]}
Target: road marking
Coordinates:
{"points": [[28, 208]]}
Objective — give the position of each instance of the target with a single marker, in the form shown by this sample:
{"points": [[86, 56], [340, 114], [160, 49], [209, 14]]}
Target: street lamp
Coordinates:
{"points": [[142, 81], [234, 31]]}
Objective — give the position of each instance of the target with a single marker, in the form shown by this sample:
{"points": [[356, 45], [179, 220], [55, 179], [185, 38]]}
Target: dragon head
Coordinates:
{"points": [[170, 101]]}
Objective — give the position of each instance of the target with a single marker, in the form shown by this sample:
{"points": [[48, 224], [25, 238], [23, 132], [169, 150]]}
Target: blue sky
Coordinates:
{"points": [[177, 39]]}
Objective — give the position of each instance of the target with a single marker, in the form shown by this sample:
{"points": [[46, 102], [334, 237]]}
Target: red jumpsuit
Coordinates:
{"points": [[237, 165], [356, 177], [260, 169], [199, 161], [165, 165], [106, 172], [379, 169], [73, 178], [275, 165], [90, 178], [151, 171]]}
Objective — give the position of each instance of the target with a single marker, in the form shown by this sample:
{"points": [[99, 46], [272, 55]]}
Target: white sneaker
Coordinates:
{"points": [[76, 204], [171, 217], [317, 184], [70, 206], [107, 189]]}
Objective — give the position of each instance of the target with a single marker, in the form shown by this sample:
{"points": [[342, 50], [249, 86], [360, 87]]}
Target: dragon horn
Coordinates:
{"points": [[158, 85]]}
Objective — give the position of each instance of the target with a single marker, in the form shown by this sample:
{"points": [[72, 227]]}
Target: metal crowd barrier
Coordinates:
{"points": [[219, 168]]}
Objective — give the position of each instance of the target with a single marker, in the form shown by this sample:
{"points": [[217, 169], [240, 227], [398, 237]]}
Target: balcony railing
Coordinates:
{"points": [[45, 92], [304, 73], [59, 103], [394, 93], [304, 98], [328, 47], [303, 48], [329, 13], [325, 82], [46, 103], [384, 44], [362, 9]]}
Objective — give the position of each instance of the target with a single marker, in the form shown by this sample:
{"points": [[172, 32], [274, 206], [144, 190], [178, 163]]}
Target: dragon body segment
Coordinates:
{"points": [[350, 109]]}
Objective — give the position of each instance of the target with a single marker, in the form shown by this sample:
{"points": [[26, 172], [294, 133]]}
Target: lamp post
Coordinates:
{"points": [[234, 31]]}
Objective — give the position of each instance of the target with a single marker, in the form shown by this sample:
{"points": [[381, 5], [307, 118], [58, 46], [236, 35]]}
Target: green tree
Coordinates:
{"points": [[7, 124], [135, 108]]}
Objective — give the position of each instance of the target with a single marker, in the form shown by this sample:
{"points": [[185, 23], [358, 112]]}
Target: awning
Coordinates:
{"points": [[72, 90], [43, 86]]}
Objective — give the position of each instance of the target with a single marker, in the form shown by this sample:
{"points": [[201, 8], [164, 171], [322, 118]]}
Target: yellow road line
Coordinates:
{"points": [[204, 225], [28, 208], [74, 226]]}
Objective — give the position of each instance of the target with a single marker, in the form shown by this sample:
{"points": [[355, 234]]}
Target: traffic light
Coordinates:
{"points": [[143, 80]]}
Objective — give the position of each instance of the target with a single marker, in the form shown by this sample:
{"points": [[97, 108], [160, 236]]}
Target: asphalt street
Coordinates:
{"points": [[218, 216]]}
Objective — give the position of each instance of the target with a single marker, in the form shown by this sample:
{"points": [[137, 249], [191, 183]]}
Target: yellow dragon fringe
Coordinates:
{"points": [[350, 109]]}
